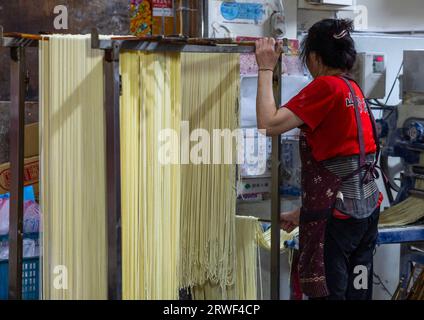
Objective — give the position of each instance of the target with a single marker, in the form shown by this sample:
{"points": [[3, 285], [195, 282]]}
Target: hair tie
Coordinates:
{"points": [[341, 35]]}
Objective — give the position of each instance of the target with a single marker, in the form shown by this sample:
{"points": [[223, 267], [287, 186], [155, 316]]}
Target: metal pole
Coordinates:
{"points": [[17, 126], [162, 25], [113, 167], [275, 201], [205, 23], [185, 16], [174, 8]]}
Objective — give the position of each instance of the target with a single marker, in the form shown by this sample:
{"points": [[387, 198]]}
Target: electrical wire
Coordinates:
{"points": [[394, 83], [379, 105], [391, 91], [380, 283]]}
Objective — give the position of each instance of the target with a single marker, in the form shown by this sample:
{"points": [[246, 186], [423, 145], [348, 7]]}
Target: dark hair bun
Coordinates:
{"points": [[330, 39], [346, 24]]}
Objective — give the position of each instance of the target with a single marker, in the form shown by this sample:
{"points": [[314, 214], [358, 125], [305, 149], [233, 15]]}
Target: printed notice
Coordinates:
{"points": [[162, 8]]}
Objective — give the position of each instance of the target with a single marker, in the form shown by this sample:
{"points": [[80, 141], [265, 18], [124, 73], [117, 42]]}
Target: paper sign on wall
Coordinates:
{"points": [[240, 12], [162, 8]]}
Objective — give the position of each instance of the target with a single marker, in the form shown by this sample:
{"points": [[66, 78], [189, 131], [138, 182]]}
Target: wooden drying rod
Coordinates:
{"points": [[195, 41], [28, 36], [186, 40], [172, 40], [177, 39], [25, 39]]}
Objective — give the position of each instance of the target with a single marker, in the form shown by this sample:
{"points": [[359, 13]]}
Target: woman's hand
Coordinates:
{"points": [[268, 51], [270, 117], [290, 220]]}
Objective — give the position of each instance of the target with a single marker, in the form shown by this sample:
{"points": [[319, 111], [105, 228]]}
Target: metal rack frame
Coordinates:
{"points": [[112, 50], [17, 43]]}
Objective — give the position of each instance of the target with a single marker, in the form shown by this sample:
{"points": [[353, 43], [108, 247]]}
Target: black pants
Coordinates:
{"points": [[348, 257]]}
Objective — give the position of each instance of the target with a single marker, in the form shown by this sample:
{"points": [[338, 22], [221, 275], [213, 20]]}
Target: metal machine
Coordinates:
{"points": [[370, 73], [402, 130], [402, 134]]}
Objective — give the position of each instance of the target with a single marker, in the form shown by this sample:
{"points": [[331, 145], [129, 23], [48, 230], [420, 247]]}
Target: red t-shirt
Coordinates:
{"points": [[327, 109]]}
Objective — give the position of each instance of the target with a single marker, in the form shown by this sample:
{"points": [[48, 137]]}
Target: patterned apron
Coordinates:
{"points": [[320, 188]]}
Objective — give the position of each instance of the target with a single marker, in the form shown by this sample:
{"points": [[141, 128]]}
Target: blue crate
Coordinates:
{"points": [[30, 274], [30, 278]]}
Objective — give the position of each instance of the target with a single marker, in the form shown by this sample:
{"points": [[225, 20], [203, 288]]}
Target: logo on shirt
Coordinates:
{"points": [[350, 103]]}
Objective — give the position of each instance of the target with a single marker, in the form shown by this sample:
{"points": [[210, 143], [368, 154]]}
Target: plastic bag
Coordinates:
{"points": [[31, 213], [30, 249], [4, 216]]}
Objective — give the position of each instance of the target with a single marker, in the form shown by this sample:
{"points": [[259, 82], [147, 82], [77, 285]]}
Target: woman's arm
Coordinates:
{"points": [[274, 121]]}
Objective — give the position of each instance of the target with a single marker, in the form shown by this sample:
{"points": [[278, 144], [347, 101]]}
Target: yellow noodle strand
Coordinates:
{"points": [[246, 276], [178, 222], [264, 238], [151, 101], [210, 93], [247, 258], [72, 169], [407, 212], [183, 215]]}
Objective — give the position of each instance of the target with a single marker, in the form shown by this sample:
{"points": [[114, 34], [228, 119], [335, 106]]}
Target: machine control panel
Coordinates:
{"points": [[370, 73]]}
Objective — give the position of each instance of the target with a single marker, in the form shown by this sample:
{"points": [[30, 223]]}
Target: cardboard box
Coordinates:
{"points": [[31, 162], [31, 175], [31, 146]]}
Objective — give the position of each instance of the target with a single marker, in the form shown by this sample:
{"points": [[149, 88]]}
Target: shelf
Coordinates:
{"points": [[401, 235]]}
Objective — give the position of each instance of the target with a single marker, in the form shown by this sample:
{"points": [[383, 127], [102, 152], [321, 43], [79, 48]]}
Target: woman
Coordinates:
{"points": [[338, 144]]}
